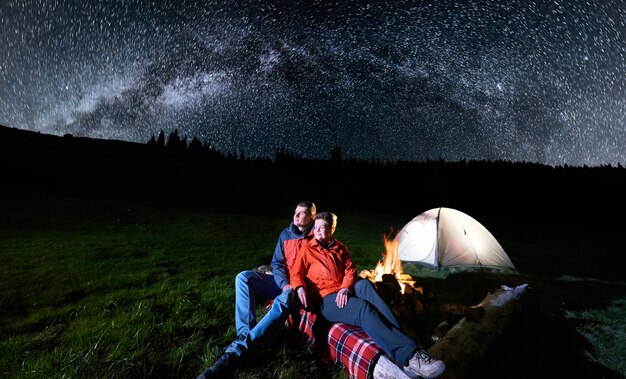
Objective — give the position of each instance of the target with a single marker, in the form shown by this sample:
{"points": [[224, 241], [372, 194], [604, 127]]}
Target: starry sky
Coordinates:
{"points": [[534, 81]]}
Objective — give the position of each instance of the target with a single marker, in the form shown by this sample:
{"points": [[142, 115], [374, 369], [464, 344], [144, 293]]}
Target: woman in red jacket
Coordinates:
{"points": [[324, 276]]}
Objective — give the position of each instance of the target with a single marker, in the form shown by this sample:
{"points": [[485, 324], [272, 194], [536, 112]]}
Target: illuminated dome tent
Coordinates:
{"points": [[445, 237]]}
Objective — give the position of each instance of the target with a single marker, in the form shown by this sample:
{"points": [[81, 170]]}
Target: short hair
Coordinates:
{"points": [[329, 217], [308, 205]]}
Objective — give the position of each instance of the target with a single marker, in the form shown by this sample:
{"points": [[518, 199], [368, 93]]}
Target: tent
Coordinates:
{"points": [[445, 237]]}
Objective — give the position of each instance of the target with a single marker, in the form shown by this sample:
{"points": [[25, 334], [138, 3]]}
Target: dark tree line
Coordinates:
{"points": [[282, 155], [175, 142], [285, 157]]}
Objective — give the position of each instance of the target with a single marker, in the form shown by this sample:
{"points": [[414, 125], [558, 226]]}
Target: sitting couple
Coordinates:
{"points": [[314, 270]]}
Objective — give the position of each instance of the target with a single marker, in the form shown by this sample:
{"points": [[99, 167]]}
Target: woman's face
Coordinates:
{"points": [[323, 232]]}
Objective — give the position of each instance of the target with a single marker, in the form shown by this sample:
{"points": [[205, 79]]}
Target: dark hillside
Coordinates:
{"points": [[500, 194]]}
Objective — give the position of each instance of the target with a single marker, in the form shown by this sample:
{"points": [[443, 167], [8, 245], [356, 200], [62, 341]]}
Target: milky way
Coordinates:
{"points": [[540, 81]]}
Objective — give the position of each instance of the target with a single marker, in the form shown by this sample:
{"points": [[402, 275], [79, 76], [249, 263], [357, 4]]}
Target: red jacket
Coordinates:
{"points": [[322, 271]]}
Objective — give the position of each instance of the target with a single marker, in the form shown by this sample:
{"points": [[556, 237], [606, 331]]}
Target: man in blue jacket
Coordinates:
{"points": [[252, 337]]}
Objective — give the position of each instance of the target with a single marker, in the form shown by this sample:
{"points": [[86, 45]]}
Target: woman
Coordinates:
{"points": [[324, 276]]}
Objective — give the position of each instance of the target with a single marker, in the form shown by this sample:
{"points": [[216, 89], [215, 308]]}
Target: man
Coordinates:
{"points": [[252, 337]]}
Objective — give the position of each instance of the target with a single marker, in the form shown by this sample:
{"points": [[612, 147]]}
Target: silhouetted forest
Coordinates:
{"points": [[195, 174]]}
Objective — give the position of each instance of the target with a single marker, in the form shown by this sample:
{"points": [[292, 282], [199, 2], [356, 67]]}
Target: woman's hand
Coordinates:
{"points": [[302, 296], [342, 297]]}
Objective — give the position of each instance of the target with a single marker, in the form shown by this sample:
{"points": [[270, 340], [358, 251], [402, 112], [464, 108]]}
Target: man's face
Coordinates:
{"points": [[302, 217], [322, 231]]}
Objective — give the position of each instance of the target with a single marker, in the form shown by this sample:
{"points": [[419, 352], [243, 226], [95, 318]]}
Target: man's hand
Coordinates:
{"points": [[302, 296], [342, 297], [286, 287]]}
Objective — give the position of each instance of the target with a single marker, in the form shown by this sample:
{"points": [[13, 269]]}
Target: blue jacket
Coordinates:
{"points": [[287, 247]]}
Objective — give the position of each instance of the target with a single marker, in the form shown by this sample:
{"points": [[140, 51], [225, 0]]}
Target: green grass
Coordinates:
{"points": [[605, 330], [110, 288]]}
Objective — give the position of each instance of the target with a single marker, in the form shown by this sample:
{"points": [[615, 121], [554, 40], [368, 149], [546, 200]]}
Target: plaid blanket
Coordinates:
{"points": [[347, 344]]}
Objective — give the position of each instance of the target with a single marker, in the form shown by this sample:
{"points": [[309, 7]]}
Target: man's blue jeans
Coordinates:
{"points": [[253, 336]]}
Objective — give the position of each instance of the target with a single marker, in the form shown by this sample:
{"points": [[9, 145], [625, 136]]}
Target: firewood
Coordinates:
{"points": [[468, 340]]}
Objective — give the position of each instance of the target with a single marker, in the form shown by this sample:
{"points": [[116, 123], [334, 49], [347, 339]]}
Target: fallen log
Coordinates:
{"points": [[468, 340]]}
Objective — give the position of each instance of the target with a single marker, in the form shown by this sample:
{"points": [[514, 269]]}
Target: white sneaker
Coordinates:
{"points": [[423, 366]]}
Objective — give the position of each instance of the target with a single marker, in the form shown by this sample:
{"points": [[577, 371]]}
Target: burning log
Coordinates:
{"points": [[388, 276], [401, 296], [395, 287], [389, 288], [469, 339]]}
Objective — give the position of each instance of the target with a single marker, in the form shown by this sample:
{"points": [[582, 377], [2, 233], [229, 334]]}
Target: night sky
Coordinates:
{"points": [[534, 81]]}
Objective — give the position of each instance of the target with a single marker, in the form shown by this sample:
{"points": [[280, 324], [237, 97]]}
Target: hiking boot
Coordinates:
{"points": [[222, 368], [221, 350], [423, 366]]}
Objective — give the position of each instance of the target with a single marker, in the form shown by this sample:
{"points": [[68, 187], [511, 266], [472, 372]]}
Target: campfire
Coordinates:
{"points": [[395, 286]]}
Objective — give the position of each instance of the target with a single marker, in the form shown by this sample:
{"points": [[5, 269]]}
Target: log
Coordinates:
{"points": [[468, 340]]}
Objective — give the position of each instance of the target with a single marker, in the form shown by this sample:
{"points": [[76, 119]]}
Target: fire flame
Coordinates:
{"points": [[390, 264]]}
